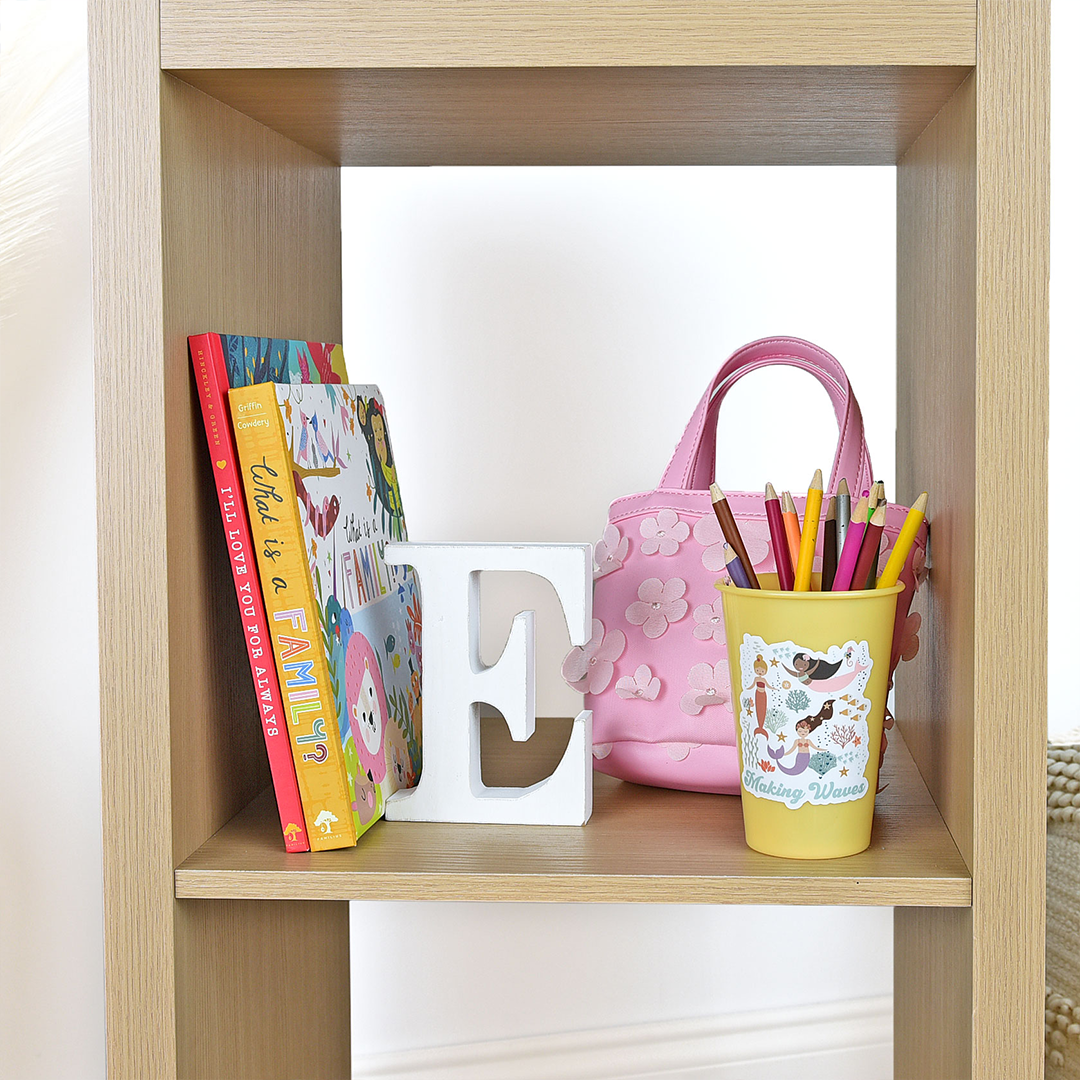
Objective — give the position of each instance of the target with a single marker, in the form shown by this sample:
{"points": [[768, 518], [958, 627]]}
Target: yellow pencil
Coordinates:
{"points": [[808, 540], [891, 574]]}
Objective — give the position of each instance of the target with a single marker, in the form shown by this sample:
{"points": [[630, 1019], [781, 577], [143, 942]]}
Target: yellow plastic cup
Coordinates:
{"points": [[809, 679]]}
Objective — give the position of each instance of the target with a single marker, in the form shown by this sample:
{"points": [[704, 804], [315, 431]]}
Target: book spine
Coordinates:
{"points": [[208, 361], [295, 631]]}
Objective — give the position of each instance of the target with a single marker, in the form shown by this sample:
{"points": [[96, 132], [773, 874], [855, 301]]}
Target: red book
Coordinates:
{"points": [[208, 360]]}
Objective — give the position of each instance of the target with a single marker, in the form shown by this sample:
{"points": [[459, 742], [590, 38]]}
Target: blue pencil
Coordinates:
{"points": [[736, 569]]}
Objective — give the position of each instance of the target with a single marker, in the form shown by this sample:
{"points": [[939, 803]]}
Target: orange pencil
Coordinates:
{"points": [[791, 526], [808, 541]]}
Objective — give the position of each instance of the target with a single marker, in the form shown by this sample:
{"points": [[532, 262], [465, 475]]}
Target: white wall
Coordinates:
{"points": [[51, 996], [616, 964], [541, 337]]}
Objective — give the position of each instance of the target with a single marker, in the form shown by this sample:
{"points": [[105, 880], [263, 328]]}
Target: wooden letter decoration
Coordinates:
{"points": [[456, 683]]}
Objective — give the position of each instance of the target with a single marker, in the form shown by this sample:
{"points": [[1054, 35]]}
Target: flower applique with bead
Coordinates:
{"points": [[610, 552], [710, 684], [710, 536], [663, 533], [710, 622], [642, 685], [588, 668], [659, 603]]}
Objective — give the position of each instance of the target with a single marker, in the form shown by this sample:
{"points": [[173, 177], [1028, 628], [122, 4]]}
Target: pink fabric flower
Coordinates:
{"points": [[909, 638], [589, 668], [710, 536], [679, 751], [642, 684], [659, 603], [709, 685], [663, 533], [610, 552], [918, 567], [710, 622]]}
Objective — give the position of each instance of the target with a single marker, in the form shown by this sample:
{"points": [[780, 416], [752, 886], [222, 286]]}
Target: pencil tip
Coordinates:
{"points": [[843, 488], [716, 493], [920, 503], [770, 491], [817, 482], [830, 513]]}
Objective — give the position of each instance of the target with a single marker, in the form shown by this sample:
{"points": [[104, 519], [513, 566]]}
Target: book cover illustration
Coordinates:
{"points": [[350, 505], [219, 361], [251, 360]]}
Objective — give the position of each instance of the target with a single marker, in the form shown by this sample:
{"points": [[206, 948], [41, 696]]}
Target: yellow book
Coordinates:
{"points": [[281, 553]]}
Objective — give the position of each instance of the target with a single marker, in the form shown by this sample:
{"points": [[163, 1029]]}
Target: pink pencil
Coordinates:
{"points": [[845, 568]]}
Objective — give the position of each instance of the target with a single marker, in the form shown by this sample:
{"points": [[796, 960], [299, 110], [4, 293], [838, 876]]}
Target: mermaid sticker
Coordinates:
{"points": [[761, 696], [803, 744], [804, 741], [820, 674]]}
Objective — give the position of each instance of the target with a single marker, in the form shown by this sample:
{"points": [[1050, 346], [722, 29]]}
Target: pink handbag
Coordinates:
{"points": [[655, 672]]}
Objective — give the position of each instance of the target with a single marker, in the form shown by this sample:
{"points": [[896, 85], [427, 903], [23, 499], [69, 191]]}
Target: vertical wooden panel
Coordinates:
{"points": [[936, 445], [1013, 140], [252, 245], [972, 415], [132, 559], [284, 962]]}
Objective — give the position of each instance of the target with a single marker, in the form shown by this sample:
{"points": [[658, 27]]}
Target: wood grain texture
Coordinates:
{"points": [[278, 961], [253, 246], [973, 324], [1011, 406], [599, 116], [642, 844], [561, 33], [932, 1027], [937, 208], [132, 549]]}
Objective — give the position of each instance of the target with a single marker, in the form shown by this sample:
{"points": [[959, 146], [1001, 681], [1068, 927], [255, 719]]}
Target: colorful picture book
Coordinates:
{"points": [[220, 361], [323, 499]]}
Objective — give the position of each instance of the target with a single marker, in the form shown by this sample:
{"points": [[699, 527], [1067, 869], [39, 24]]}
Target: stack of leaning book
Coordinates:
{"points": [[309, 495]]}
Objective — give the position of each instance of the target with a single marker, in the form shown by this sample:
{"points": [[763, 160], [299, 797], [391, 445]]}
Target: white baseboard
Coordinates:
{"points": [[843, 1040]]}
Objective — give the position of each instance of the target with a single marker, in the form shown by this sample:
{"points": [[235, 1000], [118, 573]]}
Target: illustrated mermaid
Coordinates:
{"points": [[803, 744], [821, 674], [761, 698]]}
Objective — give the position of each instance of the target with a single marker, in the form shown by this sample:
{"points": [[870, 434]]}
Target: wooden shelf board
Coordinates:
{"points": [[509, 33], [593, 116], [642, 844]]}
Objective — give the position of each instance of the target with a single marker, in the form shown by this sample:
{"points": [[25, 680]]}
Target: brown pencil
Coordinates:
{"points": [[871, 542], [828, 552], [731, 532]]}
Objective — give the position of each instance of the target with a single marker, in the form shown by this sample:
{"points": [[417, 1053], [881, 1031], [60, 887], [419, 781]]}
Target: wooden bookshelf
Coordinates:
{"points": [[642, 844], [218, 128]]}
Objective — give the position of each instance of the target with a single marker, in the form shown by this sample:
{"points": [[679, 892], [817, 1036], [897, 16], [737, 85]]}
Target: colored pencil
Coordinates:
{"points": [[808, 541], [828, 547], [731, 532], [784, 570], [876, 499], [736, 569], [870, 544], [843, 513], [891, 574], [791, 527], [845, 568]]}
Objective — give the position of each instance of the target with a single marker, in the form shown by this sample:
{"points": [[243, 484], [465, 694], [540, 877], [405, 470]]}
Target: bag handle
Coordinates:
{"points": [[694, 461]]}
